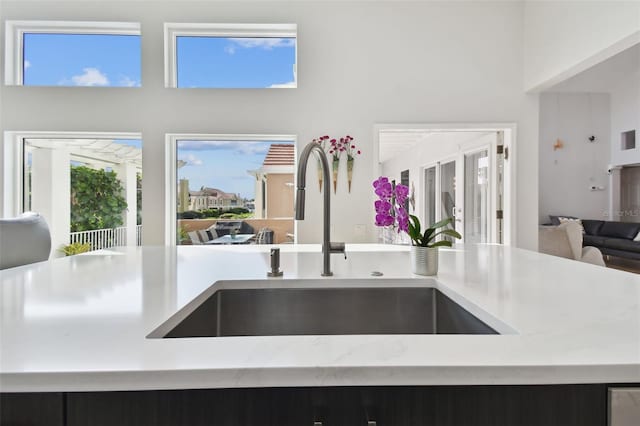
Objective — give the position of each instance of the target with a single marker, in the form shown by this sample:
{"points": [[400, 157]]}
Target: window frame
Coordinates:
{"points": [[174, 30], [13, 173], [15, 31], [171, 170]]}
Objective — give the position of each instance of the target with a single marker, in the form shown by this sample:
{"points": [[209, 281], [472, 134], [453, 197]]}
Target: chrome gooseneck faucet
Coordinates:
{"points": [[327, 246]]}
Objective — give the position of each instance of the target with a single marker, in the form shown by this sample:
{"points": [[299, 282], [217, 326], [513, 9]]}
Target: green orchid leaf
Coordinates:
{"points": [[440, 244], [416, 223], [428, 234], [449, 232], [414, 230], [443, 222], [452, 233]]}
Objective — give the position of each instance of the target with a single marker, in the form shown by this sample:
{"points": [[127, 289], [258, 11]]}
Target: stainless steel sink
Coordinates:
{"points": [[327, 311]]}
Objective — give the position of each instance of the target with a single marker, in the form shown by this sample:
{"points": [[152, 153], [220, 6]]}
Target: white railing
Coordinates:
{"points": [[104, 238]]}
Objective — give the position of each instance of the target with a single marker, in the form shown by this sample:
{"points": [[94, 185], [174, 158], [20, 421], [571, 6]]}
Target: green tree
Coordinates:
{"points": [[96, 199]]}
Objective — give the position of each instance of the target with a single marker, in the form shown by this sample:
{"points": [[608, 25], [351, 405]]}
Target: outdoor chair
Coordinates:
{"points": [[262, 236], [24, 240], [194, 237]]}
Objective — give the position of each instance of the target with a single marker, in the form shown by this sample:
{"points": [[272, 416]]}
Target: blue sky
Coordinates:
{"points": [[81, 60], [235, 62], [114, 60], [218, 62], [222, 164], [131, 142]]}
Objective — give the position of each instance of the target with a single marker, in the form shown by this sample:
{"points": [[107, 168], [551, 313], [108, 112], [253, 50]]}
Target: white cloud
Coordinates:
{"points": [[90, 77], [27, 64], [242, 147], [191, 160], [283, 85], [265, 43], [125, 81]]}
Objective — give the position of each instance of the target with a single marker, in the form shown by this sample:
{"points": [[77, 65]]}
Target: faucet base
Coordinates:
{"points": [[329, 274]]}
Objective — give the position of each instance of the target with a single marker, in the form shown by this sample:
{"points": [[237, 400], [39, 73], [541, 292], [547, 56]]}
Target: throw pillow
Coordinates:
{"points": [[571, 219], [637, 238], [555, 220]]}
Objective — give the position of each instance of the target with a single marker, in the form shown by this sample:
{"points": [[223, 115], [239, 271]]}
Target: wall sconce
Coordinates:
{"points": [[558, 145]]}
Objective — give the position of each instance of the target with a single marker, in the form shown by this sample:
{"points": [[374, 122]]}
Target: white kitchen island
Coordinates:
{"points": [[81, 323]]}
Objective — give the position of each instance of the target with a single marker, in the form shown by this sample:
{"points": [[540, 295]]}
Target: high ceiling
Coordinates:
{"points": [[605, 76]]}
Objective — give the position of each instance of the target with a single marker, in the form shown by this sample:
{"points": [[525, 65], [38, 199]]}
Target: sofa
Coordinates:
{"points": [[613, 238], [619, 239], [566, 240]]}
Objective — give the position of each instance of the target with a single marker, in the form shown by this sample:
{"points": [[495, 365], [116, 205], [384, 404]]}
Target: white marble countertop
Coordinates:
{"points": [[80, 323]]}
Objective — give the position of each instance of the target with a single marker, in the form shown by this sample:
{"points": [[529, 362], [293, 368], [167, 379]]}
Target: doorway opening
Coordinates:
{"points": [[465, 172]]}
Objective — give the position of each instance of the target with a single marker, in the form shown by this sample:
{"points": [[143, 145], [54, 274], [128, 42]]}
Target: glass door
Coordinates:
{"points": [[429, 195], [448, 192], [476, 197]]}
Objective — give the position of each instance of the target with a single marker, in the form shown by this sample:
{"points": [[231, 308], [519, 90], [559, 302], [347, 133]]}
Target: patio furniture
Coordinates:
{"points": [[229, 239], [207, 235], [194, 237], [225, 227], [264, 236], [23, 240]]}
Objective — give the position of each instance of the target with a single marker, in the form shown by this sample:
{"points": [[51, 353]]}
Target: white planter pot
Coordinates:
{"points": [[424, 260]]}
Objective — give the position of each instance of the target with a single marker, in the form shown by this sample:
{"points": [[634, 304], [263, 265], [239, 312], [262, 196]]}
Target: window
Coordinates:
{"points": [[230, 55], [88, 186], [99, 54], [227, 181]]}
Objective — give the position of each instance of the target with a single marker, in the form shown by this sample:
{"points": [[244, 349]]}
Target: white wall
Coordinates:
{"points": [[625, 116], [563, 38], [567, 174], [358, 64]]}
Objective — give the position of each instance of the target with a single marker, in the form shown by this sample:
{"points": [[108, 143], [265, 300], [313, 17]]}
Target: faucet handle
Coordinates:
{"points": [[275, 263]]}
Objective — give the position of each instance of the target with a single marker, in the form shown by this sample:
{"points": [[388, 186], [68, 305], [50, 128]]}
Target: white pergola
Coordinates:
{"points": [[51, 161]]}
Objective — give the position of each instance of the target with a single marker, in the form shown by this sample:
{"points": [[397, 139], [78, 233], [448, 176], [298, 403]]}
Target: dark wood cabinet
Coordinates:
{"points": [[559, 405], [534, 405], [196, 407], [32, 409]]}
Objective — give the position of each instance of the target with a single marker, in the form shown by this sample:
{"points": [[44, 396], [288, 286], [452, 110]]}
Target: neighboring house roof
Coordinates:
{"points": [[212, 192], [280, 155]]}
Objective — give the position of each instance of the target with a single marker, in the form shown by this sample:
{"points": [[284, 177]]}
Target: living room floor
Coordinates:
{"points": [[623, 264]]}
